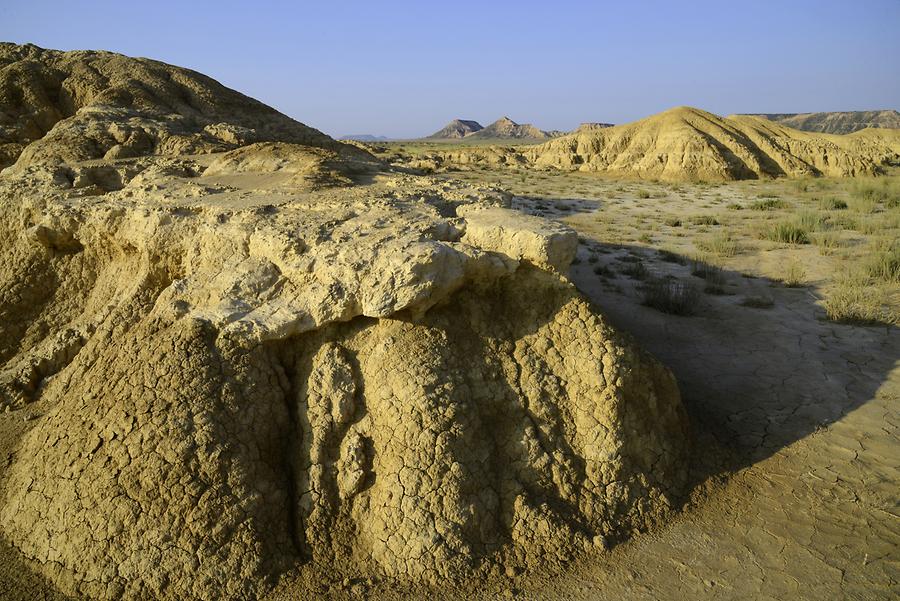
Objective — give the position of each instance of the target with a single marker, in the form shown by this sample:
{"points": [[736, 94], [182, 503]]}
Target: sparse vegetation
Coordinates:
{"points": [[768, 204], [721, 244], [704, 220], [795, 275], [635, 270], [671, 295], [785, 232], [832, 204]]}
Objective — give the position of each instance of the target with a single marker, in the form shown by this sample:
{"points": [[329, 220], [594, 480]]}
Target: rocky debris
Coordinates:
{"points": [[458, 128], [74, 106], [541, 242], [845, 122], [393, 379]]}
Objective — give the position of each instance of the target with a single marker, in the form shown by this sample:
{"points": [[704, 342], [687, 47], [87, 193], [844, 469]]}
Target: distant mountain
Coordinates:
{"points": [[506, 128], [588, 126], [836, 122], [365, 138], [458, 128]]}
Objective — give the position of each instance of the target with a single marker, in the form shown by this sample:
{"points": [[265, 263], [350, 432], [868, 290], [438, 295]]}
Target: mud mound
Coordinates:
{"points": [[388, 379], [689, 144], [845, 122], [73, 106], [293, 165], [458, 128]]}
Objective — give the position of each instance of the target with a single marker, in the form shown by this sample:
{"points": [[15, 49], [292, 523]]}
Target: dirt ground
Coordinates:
{"points": [[795, 415]]}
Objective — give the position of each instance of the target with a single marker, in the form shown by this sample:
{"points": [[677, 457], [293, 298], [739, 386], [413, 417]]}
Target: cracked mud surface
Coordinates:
{"points": [[392, 380]]}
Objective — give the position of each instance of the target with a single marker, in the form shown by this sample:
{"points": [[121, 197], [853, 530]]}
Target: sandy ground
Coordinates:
{"points": [[796, 420]]}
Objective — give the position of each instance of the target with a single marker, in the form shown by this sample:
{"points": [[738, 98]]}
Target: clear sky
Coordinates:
{"points": [[406, 68]]}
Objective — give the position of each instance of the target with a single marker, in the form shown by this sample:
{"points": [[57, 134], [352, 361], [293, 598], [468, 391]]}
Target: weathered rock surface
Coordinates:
{"points": [[382, 376], [73, 106], [280, 354]]}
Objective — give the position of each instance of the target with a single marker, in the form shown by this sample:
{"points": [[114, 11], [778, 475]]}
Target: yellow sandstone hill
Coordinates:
{"points": [[690, 144]]}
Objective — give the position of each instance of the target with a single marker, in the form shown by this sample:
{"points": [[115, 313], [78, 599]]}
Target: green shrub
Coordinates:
{"points": [[785, 232], [832, 204], [704, 220], [885, 264], [721, 244], [769, 204]]}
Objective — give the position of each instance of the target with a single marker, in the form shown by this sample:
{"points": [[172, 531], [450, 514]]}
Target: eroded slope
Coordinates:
{"points": [[73, 106]]}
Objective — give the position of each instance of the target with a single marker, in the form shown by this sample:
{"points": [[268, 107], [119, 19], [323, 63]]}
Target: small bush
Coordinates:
{"points": [[854, 300], [635, 271], [715, 281], [673, 222], [812, 221], [670, 257], [885, 264], [604, 271], [671, 296], [704, 220], [827, 242], [721, 244], [795, 276], [643, 194], [768, 204], [832, 204], [645, 238], [786, 232]]}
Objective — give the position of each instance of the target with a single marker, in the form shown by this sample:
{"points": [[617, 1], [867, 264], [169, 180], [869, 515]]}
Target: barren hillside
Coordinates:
{"points": [[458, 128], [837, 122], [74, 106]]}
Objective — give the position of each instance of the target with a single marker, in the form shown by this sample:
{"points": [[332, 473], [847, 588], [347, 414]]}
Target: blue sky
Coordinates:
{"points": [[405, 68]]}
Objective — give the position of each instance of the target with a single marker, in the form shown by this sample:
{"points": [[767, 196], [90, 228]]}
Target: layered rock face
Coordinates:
{"points": [[283, 353]]}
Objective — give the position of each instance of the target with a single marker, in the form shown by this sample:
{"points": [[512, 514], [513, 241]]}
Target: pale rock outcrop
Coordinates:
{"points": [[393, 379]]}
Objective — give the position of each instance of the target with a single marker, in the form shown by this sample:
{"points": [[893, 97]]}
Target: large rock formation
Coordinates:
{"points": [[74, 106], [279, 353], [456, 129], [364, 377]]}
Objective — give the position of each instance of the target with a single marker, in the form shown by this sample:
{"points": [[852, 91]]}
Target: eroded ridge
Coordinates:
{"points": [[395, 379]]}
